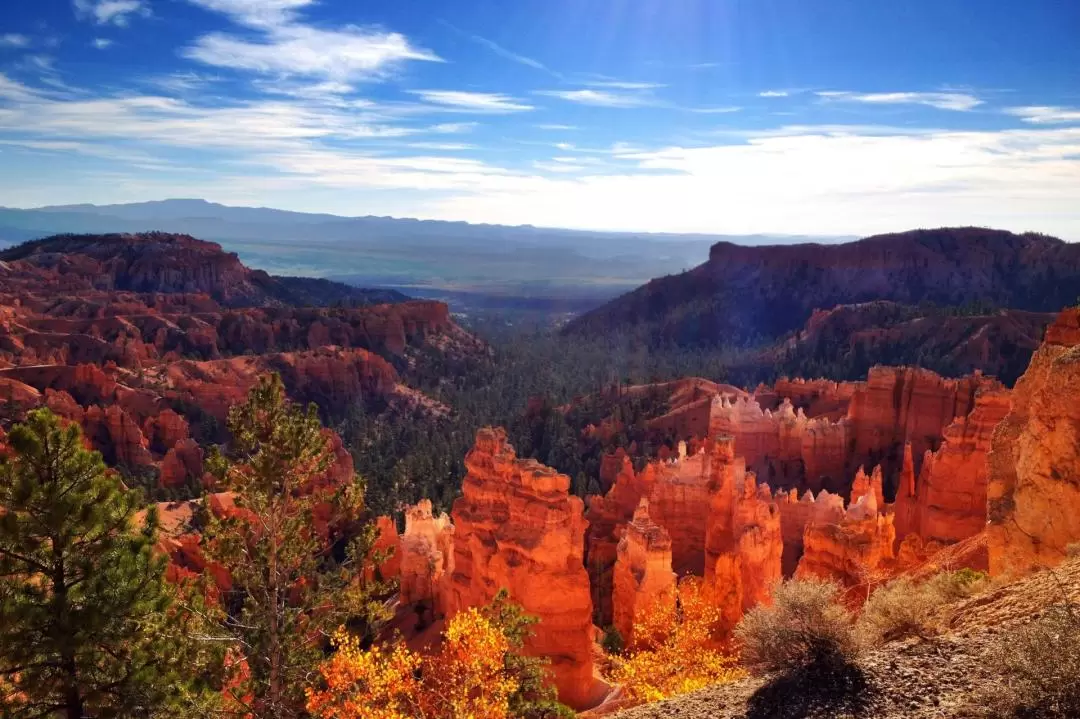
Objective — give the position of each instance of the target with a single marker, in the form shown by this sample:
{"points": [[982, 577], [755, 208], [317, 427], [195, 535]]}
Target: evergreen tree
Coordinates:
{"points": [[87, 626], [292, 581]]}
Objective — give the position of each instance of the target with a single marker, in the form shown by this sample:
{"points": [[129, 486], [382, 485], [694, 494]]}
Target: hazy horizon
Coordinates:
{"points": [[717, 117]]}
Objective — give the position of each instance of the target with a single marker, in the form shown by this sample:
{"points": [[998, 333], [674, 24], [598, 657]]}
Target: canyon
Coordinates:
{"points": [[146, 341]]}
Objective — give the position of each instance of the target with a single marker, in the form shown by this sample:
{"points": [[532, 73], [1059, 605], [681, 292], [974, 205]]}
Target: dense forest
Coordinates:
{"points": [[520, 387]]}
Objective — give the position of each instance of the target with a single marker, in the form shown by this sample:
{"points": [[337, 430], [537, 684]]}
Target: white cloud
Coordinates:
{"points": [[110, 12], [1045, 114], [442, 146], [599, 98], [101, 43], [827, 180], [480, 102], [957, 101], [453, 128], [12, 39], [288, 47], [774, 93], [622, 85], [715, 110]]}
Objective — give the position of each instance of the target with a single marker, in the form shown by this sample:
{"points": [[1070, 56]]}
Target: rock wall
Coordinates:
{"points": [[517, 527], [853, 551], [1033, 493], [743, 544], [427, 557], [643, 576], [796, 514], [949, 501]]}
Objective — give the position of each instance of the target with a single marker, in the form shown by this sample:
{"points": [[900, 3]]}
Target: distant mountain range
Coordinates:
{"points": [[750, 295], [523, 262]]}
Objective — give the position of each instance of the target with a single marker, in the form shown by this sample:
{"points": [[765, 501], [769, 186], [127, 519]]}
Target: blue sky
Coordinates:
{"points": [[778, 116]]}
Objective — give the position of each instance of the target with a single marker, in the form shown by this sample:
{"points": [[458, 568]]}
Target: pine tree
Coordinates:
{"points": [[87, 626], [292, 583]]}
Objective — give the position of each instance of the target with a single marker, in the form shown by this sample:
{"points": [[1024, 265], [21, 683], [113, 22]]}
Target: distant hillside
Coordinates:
{"points": [[748, 294], [168, 263], [844, 342]]}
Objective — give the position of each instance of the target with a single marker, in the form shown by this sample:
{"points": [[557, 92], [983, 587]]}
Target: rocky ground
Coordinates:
{"points": [[938, 677]]}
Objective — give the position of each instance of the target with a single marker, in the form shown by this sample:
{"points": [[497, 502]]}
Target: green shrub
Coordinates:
{"points": [[805, 626], [612, 641]]}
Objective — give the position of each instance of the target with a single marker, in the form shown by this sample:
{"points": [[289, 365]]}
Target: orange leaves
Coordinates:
{"points": [[467, 679], [672, 651]]}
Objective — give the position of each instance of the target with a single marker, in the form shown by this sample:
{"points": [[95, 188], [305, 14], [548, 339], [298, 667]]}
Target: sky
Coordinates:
{"points": [[844, 117]]}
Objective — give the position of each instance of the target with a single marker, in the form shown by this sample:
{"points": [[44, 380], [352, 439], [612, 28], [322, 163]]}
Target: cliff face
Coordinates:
{"points": [[642, 576], [427, 557], [746, 291], [743, 543], [1034, 463], [949, 500], [855, 550], [849, 339], [168, 263], [517, 527]]}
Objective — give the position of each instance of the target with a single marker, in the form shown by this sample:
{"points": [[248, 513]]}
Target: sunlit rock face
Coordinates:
{"points": [[947, 502], [643, 577], [744, 543], [1033, 493], [517, 527], [851, 550], [427, 555]]}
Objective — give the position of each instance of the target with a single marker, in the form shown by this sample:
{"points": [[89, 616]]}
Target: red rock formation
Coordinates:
{"points": [[907, 404], [387, 542], [796, 514], [743, 543], [183, 465], [950, 494], [643, 576], [864, 485], [1034, 482], [166, 429], [427, 557], [517, 527], [855, 551]]}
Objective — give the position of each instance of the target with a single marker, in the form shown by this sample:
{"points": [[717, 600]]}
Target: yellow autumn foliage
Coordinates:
{"points": [[672, 651], [466, 679]]}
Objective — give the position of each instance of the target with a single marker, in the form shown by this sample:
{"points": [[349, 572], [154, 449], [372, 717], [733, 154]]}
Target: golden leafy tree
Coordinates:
{"points": [[466, 679], [672, 651]]}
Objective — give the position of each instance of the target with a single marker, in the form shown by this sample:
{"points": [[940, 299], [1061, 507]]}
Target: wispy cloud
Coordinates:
{"points": [[600, 98], [624, 85], [1045, 114], [548, 126], [502, 51], [12, 39], [110, 12], [288, 47], [442, 146], [715, 110], [956, 101], [101, 43], [479, 102], [774, 93], [454, 128]]}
